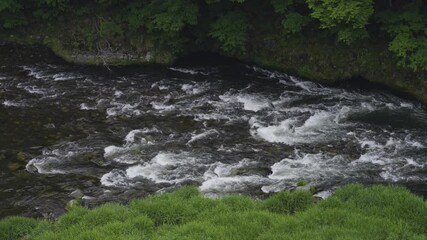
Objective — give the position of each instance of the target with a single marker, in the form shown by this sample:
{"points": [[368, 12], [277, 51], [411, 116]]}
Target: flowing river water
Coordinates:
{"points": [[70, 131]]}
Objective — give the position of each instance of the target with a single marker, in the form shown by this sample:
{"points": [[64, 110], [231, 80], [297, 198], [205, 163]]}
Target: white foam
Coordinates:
{"points": [[34, 90], [343, 114], [268, 73], [253, 103], [133, 135], [386, 157], [391, 106], [303, 113], [416, 144], [88, 198], [34, 72], [296, 168], [115, 178], [123, 109], [211, 116], [9, 103], [85, 106], [65, 76], [407, 105], [128, 153], [111, 151], [309, 87], [315, 168], [412, 143], [162, 107], [220, 169], [118, 93], [300, 110], [288, 131], [208, 134], [223, 185], [159, 86], [121, 155], [188, 71], [221, 178], [183, 70], [227, 149], [50, 162], [375, 157], [319, 120], [392, 145], [169, 168], [389, 176], [370, 107], [412, 162], [193, 89]]}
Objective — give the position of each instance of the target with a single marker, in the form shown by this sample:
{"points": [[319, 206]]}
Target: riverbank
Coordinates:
{"points": [[354, 212], [383, 42], [310, 57], [318, 59]]}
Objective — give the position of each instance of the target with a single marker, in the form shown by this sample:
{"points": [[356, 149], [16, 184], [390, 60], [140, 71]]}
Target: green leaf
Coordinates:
{"points": [[231, 30]]}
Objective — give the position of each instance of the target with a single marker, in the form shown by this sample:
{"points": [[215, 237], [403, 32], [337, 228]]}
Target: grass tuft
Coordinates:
{"points": [[354, 212], [289, 202], [17, 227]]}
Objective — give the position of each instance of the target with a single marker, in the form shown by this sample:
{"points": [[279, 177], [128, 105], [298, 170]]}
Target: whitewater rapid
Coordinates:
{"points": [[317, 122], [248, 130]]}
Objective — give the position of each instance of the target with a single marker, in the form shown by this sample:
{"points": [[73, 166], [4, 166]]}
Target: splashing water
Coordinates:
{"points": [[234, 129]]}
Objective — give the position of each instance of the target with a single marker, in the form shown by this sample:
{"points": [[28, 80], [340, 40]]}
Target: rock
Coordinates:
{"points": [[72, 203], [76, 194]]}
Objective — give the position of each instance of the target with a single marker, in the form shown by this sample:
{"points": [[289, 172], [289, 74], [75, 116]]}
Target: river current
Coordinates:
{"points": [[102, 135]]}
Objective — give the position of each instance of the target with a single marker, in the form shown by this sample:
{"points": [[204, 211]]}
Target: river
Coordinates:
{"points": [[115, 134]]}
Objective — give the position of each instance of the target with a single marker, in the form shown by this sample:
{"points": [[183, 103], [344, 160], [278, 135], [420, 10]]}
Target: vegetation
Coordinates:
{"points": [[225, 25], [347, 18], [383, 41], [354, 212]]}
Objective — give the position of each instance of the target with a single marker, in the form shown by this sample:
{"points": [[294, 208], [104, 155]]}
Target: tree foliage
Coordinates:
{"points": [[231, 31], [169, 15], [10, 14], [347, 18], [293, 21], [408, 30], [230, 23]]}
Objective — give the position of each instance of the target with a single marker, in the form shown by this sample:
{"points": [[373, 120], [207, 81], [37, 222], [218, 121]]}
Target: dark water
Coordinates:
{"points": [[229, 128]]}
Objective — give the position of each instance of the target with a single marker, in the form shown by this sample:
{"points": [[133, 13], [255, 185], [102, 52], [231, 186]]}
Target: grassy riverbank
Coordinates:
{"points": [[354, 212]]}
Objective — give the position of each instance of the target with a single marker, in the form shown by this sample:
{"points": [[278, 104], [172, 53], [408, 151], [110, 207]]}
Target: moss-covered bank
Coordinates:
{"points": [[317, 58], [354, 212]]}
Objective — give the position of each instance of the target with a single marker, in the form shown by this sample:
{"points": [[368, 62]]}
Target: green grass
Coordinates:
{"points": [[354, 212]]}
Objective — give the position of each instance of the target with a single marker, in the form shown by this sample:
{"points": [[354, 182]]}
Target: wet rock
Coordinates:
{"points": [[77, 194], [21, 157], [13, 166], [305, 188]]}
